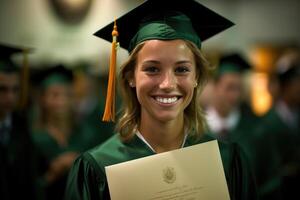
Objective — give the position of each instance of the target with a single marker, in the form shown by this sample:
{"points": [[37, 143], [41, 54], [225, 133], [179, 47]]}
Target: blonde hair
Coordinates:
{"points": [[129, 120]]}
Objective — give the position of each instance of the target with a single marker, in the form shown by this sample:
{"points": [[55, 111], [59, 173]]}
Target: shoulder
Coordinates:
{"points": [[40, 136], [272, 118], [108, 153], [86, 180], [92, 163]]}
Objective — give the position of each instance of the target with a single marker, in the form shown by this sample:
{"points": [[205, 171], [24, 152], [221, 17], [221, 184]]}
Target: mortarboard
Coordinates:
{"points": [[7, 65], [163, 20], [200, 21], [232, 63], [6, 52], [57, 74]]}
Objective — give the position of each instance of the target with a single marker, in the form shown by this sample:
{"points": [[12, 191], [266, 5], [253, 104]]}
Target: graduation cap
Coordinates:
{"points": [[185, 19], [7, 65], [57, 74], [6, 52], [162, 20], [232, 63]]}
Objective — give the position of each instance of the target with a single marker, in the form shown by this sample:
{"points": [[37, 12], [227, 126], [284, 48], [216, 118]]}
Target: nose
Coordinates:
{"points": [[168, 81]]}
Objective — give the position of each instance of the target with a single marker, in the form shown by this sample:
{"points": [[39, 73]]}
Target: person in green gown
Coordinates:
{"points": [[57, 138], [17, 160], [277, 140], [89, 104], [229, 116], [160, 85]]}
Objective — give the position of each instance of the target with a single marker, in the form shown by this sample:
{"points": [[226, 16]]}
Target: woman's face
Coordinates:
{"points": [[164, 78], [57, 100], [228, 91]]}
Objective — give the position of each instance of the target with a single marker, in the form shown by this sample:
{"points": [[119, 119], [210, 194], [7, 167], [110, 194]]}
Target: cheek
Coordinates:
{"points": [[49, 102], [142, 81], [143, 87], [187, 87]]}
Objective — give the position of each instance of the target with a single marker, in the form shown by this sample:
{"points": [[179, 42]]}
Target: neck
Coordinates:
{"points": [[60, 130], [221, 111], [163, 136], [60, 123]]}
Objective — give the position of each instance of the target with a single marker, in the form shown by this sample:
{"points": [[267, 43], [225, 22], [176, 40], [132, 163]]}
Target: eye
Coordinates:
{"points": [[182, 70], [151, 69]]}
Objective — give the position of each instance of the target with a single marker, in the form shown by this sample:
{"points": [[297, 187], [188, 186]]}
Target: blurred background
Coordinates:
{"points": [[68, 69]]}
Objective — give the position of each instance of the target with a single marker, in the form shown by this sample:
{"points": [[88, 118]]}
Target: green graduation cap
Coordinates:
{"points": [[166, 20], [232, 63], [57, 74], [7, 65], [162, 20]]}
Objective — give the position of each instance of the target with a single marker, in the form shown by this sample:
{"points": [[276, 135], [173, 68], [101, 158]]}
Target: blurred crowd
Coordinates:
{"points": [[61, 118]]}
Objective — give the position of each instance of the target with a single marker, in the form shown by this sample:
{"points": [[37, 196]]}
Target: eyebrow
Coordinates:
{"points": [[184, 62], [151, 62], [157, 62]]}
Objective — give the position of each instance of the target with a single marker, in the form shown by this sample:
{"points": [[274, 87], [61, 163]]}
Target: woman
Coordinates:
{"points": [[160, 84], [57, 139]]}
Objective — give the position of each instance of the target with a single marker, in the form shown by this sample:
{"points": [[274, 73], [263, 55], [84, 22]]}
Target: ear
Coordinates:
{"points": [[129, 76], [131, 82]]}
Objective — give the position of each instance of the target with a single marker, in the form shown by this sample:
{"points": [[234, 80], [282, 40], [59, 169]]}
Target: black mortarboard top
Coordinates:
{"points": [[6, 52], [232, 63], [201, 22]]}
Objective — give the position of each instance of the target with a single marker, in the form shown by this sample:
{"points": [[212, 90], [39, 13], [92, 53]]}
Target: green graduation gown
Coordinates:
{"points": [[47, 150], [17, 162], [87, 179], [276, 151]]}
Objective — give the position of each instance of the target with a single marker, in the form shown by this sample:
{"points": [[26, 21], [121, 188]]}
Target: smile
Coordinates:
{"points": [[166, 100]]}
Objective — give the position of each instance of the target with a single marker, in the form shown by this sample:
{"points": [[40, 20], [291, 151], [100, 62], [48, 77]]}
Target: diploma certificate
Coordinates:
{"points": [[190, 173]]}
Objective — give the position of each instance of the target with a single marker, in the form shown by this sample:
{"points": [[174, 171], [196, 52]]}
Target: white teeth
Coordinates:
{"points": [[166, 100]]}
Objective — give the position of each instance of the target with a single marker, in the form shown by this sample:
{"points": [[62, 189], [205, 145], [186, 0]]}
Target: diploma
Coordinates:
{"points": [[190, 173]]}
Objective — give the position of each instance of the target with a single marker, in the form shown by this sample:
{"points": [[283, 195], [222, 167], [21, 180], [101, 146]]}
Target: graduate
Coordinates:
{"points": [[225, 116], [229, 117], [277, 140], [17, 161], [56, 136], [160, 85]]}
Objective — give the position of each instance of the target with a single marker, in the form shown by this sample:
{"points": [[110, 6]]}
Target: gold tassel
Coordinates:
{"points": [[109, 111], [24, 81]]}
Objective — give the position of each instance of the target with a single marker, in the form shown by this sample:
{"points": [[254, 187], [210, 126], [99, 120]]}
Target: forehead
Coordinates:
{"points": [[58, 87], [230, 78], [170, 49]]}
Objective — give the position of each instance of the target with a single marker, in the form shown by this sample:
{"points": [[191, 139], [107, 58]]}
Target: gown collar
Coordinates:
{"points": [[141, 137]]}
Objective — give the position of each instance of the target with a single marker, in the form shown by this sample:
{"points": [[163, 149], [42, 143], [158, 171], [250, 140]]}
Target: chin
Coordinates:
{"points": [[166, 117]]}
